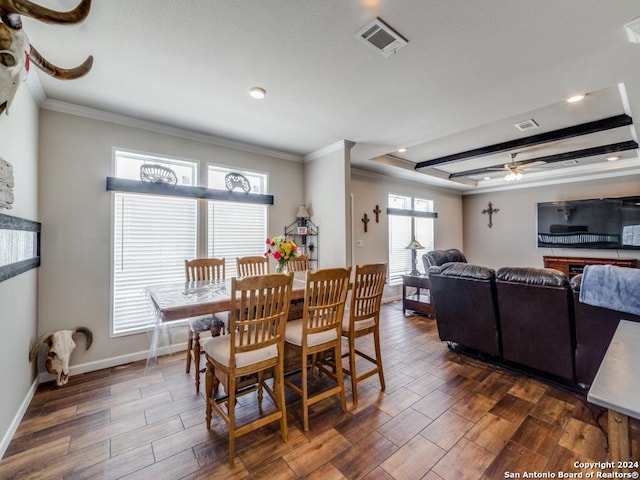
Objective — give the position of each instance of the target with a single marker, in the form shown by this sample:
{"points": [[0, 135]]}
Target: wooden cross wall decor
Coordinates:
{"points": [[490, 211], [377, 211], [365, 220]]}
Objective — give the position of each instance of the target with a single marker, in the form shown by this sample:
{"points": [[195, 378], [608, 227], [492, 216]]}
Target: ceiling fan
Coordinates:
{"points": [[548, 160], [514, 169]]}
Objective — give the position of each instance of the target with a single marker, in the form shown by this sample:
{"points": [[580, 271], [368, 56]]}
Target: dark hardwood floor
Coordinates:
{"points": [[442, 416]]}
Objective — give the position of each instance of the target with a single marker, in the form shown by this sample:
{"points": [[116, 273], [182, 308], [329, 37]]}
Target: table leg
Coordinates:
{"points": [[404, 296], [619, 446]]}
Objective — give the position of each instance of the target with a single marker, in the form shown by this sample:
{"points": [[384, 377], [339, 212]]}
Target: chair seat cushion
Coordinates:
{"points": [[293, 334], [219, 348], [360, 325]]}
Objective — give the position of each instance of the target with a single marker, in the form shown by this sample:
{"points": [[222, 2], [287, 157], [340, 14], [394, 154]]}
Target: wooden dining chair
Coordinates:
{"points": [[197, 270], [363, 318], [255, 344], [299, 264], [319, 330], [204, 269], [252, 265]]}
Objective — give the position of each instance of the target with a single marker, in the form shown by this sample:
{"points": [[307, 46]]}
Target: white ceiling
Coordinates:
{"points": [[470, 70]]}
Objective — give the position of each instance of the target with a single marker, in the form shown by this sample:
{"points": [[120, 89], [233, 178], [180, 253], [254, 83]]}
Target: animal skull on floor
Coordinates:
{"points": [[60, 346], [16, 52]]}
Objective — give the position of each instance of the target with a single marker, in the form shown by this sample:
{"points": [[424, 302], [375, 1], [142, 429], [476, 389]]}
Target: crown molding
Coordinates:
{"points": [[334, 147], [127, 121], [368, 174]]}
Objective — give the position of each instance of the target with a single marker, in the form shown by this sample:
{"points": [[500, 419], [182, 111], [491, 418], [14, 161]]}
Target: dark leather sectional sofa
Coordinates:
{"points": [[527, 318]]}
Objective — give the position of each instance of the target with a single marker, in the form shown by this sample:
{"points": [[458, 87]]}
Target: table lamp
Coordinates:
{"points": [[413, 246]]}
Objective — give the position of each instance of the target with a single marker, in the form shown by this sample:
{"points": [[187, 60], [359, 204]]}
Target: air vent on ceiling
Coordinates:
{"points": [[526, 125], [381, 37], [570, 163]]}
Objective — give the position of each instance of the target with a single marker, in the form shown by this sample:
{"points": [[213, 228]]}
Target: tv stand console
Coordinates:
{"points": [[571, 266]]}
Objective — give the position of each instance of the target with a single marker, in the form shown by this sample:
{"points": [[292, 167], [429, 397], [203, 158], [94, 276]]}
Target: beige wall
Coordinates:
{"points": [[18, 295], [326, 183], [76, 158], [512, 239]]}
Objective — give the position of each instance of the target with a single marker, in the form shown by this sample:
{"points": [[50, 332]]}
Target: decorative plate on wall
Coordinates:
{"points": [[158, 174]]}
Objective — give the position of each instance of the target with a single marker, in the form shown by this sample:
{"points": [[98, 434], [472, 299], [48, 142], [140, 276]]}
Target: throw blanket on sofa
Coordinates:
{"points": [[608, 286]]}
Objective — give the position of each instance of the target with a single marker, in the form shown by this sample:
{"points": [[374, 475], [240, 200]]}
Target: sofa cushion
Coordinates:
{"points": [[440, 257], [545, 277], [466, 270]]}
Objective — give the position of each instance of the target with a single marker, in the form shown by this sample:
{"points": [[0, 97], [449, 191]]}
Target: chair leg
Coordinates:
{"points": [[376, 341], [196, 360], [260, 392], [279, 376], [209, 392], [189, 347], [340, 377], [305, 394], [231, 410], [352, 369]]}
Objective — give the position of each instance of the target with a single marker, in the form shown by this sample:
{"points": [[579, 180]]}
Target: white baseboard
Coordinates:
{"points": [[112, 362], [8, 436]]}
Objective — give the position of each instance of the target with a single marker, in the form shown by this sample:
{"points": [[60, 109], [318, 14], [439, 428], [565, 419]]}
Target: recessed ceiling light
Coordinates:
{"points": [[257, 93], [402, 150], [613, 158], [486, 178], [575, 98]]}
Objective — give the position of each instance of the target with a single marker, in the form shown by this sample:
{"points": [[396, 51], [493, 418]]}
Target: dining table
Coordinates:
{"points": [[173, 302]]}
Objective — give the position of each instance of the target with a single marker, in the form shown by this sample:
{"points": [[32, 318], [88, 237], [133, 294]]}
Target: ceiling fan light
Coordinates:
{"points": [[513, 176]]}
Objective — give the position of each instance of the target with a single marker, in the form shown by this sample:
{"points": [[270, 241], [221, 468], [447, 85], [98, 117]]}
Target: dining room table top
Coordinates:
{"points": [[180, 300]]}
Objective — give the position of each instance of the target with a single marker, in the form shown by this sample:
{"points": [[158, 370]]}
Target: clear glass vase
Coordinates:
{"points": [[282, 267]]}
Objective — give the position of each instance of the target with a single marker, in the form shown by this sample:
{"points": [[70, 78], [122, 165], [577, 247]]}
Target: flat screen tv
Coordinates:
{"points": [[612, 223]]}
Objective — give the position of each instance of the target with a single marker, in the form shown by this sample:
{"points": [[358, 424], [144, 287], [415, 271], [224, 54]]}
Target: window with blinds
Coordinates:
{"points": [[235, 229], [403, 229], [154, 234]]}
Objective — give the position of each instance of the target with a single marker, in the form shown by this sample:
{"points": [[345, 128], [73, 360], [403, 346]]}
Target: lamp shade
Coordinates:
{"points": [[414, 245], [302, 212]]}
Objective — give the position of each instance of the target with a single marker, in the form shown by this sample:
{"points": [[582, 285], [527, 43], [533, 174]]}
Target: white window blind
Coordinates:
{"points": [[403, 229], [399, 238], [236, 230], [152, 236]]}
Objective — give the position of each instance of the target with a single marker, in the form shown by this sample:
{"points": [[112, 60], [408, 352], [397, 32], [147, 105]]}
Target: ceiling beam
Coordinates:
{"points": [[559, 157], [552, 136]]}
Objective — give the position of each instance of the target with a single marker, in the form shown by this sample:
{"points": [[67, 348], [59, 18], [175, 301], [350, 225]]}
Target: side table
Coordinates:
{"points": [[419, 302]]}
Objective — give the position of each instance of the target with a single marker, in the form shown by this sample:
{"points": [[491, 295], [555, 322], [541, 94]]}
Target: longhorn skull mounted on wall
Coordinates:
{"points": [[16, 52], [60, 346]]}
